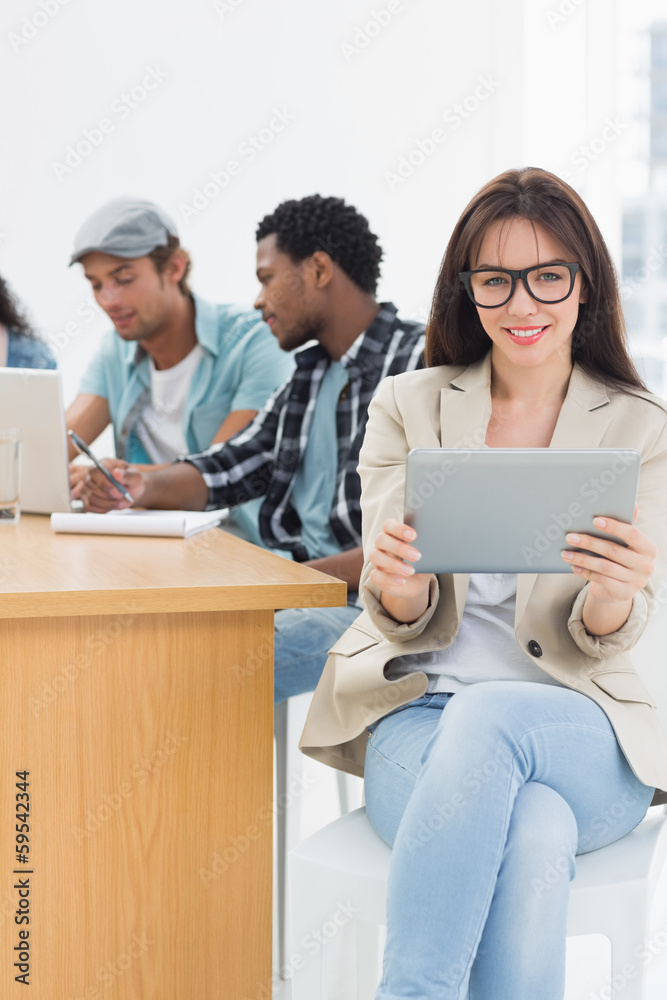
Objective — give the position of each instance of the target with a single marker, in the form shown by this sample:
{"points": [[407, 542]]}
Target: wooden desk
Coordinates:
{"points": [[136, 688]]}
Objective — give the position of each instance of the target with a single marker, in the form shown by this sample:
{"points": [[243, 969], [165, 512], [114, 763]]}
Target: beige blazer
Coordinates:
{"points": [[450, 407]]}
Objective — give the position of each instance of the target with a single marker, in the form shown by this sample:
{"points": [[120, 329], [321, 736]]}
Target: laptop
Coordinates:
{"points": [[507, 510], [32, 400]]}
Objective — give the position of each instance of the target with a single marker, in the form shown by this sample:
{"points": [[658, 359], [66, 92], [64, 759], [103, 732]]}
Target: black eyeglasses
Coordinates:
{"points": [[490, 287]]}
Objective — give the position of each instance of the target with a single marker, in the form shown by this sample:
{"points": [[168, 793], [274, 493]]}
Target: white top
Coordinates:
{"points": [[484, 649], [4, 346], [160, 427]]}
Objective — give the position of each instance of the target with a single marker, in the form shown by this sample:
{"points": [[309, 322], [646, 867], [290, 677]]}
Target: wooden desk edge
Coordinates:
{"points": [[327, 594]]}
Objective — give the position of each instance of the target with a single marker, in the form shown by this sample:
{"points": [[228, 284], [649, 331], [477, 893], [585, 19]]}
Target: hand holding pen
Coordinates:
{"points": [[85, 450]]}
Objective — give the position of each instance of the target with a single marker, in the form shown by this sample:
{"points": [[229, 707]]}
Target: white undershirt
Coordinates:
{"points": [[4, 346], [484, 649], [160, 427]]}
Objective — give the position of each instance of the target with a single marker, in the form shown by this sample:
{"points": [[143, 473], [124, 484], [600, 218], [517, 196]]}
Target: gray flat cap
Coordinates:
{"points": [[124, 227]]}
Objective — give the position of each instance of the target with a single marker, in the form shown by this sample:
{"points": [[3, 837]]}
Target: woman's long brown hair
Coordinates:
{"points": [[454, 333]]}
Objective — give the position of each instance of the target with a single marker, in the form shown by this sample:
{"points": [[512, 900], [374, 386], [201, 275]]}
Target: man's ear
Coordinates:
{"points": [[320, 267], [176, 265]]}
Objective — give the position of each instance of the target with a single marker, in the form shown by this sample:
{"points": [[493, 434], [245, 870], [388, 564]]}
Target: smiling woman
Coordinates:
{"points": [[447, 678], [539, 216]]}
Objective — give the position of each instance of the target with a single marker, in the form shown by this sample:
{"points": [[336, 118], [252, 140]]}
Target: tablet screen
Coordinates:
{"points": [[507, 510]]}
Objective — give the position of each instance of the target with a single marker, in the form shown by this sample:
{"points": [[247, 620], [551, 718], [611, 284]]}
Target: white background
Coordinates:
{"points": [[362, 97]]}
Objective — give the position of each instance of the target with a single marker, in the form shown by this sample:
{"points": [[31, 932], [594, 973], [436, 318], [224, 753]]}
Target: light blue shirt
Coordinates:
{"points": [[26, 352], [241, 367], [315, 482]]}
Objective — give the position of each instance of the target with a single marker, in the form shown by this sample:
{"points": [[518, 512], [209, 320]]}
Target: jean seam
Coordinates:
{"points": [[388, 760], [374, 726], [569, 725]]}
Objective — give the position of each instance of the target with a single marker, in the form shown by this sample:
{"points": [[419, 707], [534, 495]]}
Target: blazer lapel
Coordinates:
{"points": [[465, 410], [465, 407], [584, 415]]}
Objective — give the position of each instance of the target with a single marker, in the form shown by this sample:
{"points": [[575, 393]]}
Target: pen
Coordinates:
{"points": [[83, 447]]}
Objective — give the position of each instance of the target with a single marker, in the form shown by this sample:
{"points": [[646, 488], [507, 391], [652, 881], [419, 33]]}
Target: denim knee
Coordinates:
{"points": [[543, 836]]}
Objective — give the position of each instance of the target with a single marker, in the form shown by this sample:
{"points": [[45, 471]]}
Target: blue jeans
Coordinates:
{"points": [[486, 797], [303, 638]]}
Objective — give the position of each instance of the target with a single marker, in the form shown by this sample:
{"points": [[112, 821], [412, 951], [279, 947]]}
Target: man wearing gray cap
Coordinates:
{"points": [[177, 374]]}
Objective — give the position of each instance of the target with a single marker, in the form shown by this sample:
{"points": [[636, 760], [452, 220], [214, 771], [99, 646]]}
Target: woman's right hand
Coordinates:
{"points": [[393, 572]]}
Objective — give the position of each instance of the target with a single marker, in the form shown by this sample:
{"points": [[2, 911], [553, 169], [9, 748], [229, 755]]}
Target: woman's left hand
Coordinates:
{"points": [[623, 569]]}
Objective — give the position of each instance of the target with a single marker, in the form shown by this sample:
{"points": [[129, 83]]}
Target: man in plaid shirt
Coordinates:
{"points": [[318, 266]]}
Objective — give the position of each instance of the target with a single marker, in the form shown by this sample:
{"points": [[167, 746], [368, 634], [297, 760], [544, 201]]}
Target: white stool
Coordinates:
{"points": [[289, 762], [343, 868]]}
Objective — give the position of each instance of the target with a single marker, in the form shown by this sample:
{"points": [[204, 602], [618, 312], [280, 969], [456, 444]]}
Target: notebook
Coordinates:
{"points": [[167, 523]]}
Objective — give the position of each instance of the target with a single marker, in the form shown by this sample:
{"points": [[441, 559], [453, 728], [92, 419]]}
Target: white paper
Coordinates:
{"points": [[170, 523]]}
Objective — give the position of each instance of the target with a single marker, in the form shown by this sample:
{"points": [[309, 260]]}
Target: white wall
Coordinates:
{"points": [[358, 108]]}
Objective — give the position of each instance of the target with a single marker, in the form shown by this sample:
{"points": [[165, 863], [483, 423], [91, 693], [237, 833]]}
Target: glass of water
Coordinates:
{"points": [[10, 475]]}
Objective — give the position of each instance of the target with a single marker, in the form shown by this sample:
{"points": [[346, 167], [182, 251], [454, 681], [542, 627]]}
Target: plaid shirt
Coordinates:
{"points": [[262, 460]]}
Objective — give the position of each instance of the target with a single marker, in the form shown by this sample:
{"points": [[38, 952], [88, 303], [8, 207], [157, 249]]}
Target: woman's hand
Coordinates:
{"points": [[404, 591], [615, 574], [99, 495]]}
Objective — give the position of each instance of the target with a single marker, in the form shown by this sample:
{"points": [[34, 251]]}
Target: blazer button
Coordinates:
{"points": [[534, 648]]}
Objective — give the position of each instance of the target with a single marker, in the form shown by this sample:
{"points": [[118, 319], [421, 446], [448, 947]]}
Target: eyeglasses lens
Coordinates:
{"points": [[549, 284]]}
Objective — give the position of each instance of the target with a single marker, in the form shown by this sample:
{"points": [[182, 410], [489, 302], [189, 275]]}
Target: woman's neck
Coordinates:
{"points": [[530, 387]]}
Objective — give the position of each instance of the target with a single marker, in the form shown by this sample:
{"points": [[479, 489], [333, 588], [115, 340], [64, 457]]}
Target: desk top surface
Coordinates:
{"points": [[44, 574]]}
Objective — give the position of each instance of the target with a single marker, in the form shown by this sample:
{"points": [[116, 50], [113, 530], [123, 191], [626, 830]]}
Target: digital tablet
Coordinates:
{"points": [[507, 510]]}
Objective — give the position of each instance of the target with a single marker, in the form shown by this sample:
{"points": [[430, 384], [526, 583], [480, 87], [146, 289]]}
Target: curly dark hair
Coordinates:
{"points": [[10, 313], [315, 223]]}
